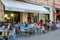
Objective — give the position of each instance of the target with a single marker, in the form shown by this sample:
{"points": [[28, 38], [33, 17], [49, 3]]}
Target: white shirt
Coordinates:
{"points": [[12, 32], [3, 27]]}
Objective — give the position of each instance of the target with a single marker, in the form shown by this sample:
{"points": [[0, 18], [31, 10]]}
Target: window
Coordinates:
{"points": [[46, 1]]}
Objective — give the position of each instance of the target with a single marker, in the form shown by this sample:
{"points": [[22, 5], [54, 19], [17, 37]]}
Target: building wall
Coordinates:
{"points": [[50, 2], [1, 10], [45, 2], [40, 1], [57, 3]]}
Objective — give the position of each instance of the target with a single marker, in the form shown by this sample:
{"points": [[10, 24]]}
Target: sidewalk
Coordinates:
{"points": [[53, 35]]}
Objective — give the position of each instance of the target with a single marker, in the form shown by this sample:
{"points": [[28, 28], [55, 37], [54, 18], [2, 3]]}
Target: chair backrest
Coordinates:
{"points": [[4, 33], [12, 32]]}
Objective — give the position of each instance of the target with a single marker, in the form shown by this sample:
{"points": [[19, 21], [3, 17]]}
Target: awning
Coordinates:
{"points": [[23, 7]]}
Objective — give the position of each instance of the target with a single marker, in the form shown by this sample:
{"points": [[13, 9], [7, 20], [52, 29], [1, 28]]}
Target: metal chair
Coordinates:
{"points": [[12, 35]]}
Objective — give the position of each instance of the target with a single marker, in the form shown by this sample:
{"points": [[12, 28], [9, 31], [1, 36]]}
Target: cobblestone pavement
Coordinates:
{"points": [[53, 35]]}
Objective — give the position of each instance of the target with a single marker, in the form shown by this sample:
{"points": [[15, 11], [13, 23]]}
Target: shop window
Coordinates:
{"points": [[36, 19], [46, 17], [15, 18]]}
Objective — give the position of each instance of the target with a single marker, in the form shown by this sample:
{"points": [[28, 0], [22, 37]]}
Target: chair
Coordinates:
{"points": [[31, 29], [11, 35], [3, 34], [22, 30]]}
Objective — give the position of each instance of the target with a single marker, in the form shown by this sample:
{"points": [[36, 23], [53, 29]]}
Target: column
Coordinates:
{"points": [[23, 17], [54, 15], [51, 14]]}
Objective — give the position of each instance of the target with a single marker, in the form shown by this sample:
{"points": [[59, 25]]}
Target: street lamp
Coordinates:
{"points": [[5, 15], [12, 15]]}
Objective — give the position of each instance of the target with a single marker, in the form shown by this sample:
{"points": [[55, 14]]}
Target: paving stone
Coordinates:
{"points": [[53, 35]]}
